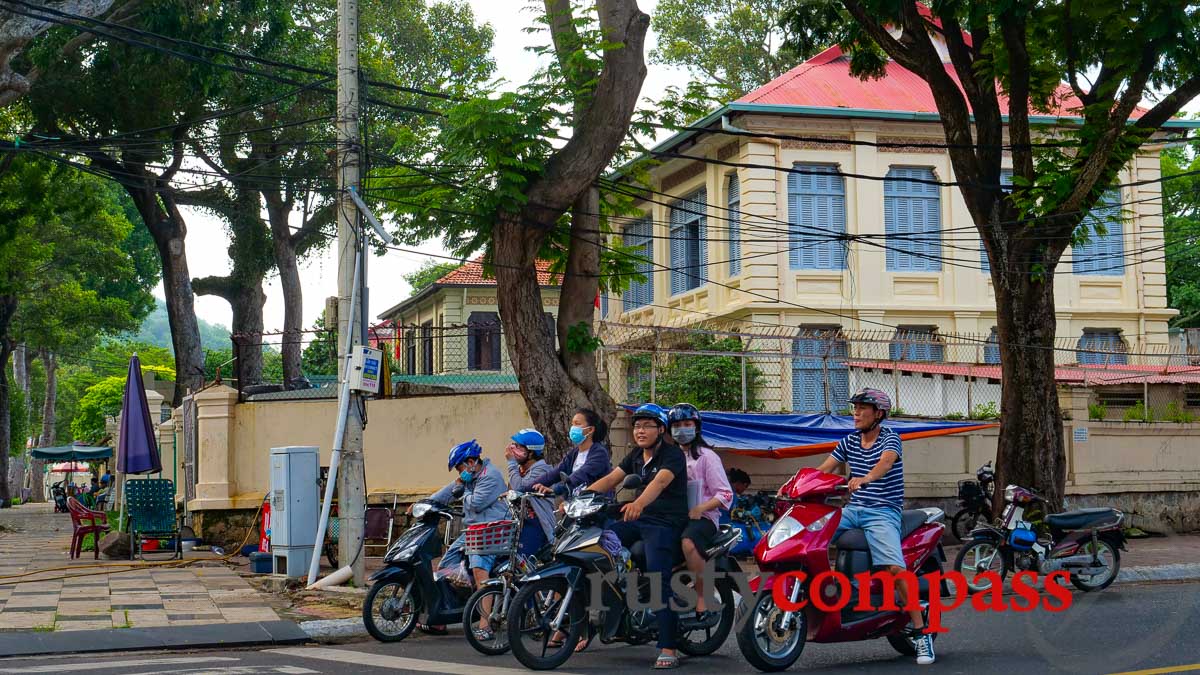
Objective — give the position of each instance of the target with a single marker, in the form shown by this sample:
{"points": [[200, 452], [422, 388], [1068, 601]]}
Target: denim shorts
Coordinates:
{"points": [[881, 525]]}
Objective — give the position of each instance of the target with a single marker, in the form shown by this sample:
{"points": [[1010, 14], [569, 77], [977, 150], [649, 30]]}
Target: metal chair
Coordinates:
{"points": [[150, 504]]}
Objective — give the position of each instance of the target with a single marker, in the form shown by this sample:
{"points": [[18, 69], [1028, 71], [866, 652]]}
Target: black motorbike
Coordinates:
{"points": [[60, 497], [975, 497], [405, 589], [549, 614]]}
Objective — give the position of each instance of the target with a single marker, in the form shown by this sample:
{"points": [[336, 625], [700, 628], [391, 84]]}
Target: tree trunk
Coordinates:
{"points": [[247, 303], [293, 294], [551, 393], [8, 307], [1031, 452], [169, 231], [50, 363], [21, 369]]}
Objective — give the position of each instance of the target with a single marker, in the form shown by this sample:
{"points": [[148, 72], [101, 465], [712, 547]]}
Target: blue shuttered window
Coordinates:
{"points": [[640, 293], [735, 225], [604, 305], [916, 343], [991, 350], [1005, 180], [689, 232], [1102, 254], [912, 218], [816, 210], [815, 357], [1108, 345]]}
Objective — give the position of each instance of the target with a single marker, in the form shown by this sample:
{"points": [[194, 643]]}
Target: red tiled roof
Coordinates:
{"points": [[825, 81], [471, 274], [1096, 375]]}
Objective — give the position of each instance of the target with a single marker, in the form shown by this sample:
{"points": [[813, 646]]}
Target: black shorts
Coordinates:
{"points": [[701, 532]]}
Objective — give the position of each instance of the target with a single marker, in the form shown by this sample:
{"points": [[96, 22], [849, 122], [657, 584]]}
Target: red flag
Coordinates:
{"points": [[597, 299]]}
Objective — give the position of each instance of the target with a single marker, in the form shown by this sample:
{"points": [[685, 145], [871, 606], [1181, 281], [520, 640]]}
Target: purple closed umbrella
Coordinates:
{"points": [[137, 452]]}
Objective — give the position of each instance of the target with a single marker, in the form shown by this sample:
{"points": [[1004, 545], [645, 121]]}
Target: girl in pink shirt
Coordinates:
{"points": [[708, 491]]}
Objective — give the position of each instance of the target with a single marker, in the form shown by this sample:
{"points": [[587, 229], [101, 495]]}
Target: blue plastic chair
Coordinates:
{"points": [[150, 505]]}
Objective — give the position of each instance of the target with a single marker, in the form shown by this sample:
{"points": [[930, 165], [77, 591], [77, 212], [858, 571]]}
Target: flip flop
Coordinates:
{"points": [[432, 630], [666, 662], [484, 634]]}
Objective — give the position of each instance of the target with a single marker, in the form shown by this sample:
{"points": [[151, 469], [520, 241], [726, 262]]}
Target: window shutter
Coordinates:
{"points": [[1102, 255], [700, 204], [735, 225], [816, 210], [640, 293], [912, 220], [678, 253], [991, 350]]}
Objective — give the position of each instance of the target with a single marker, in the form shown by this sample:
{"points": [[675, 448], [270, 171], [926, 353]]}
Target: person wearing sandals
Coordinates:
{"points": [[481, 486], [658, 515], [707, 479]]}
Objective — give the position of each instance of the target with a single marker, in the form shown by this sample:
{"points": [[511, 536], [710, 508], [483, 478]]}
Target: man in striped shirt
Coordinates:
{"points": [[875, 459]]}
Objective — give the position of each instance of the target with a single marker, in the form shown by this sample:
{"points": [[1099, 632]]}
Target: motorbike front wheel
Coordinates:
{"points": [[705, 641], [388, 613], [977, 557], [535, 643], [474, 611], [763, 639], [1110, 556]]}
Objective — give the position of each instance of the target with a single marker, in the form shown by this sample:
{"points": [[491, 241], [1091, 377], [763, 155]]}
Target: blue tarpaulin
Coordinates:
{"points": [[779, 436]]}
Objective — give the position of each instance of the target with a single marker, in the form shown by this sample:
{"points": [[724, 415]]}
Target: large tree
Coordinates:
{"points": [[60, 241], [1008, 60], [1181, 220]]}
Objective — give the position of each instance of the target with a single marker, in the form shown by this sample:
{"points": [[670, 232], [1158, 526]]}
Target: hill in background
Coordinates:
{"points": [[156, 330]]}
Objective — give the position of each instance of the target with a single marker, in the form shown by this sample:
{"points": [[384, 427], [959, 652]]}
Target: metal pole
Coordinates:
{"points": [[743, 383], [654, 370], [334, 458]]}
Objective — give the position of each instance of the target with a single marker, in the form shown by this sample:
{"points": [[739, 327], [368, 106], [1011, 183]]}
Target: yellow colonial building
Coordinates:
{"points": [[739, 230]]}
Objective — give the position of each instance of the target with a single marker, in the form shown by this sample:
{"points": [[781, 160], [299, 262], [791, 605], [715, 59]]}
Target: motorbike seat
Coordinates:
{"points": [[856, 539], [1084, 518]]}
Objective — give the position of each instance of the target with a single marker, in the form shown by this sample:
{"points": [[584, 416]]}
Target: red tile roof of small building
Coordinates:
{"points": [[825, 81], [471, 274]]}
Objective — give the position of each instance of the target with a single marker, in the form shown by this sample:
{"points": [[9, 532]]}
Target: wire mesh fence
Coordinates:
{"points": [[804, 370]]}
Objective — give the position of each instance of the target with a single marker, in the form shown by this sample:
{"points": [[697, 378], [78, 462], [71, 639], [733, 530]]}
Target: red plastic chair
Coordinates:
{"points": [[86, 521]]}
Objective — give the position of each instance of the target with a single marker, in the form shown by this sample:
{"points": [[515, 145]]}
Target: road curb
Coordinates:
{"points": [[226, 635], [1172, 572], [328, 629]]}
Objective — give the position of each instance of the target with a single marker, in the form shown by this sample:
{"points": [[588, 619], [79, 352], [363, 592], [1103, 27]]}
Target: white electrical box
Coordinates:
{"points": [[365, 369], [294, 508]]}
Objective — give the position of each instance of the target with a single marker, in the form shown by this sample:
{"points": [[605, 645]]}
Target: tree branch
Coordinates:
{"points": [[1072, 55], [223, 287]]}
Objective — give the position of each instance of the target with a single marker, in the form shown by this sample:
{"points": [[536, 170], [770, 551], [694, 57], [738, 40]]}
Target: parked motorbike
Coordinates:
{"points": [[773, 639], [1086, 542], [753, 515], [503, 539], [975, 497], [405, 588], [552, 599], [60, 497]]}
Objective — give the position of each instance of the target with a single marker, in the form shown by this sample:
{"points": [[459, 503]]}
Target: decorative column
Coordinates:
{"points": [[214, 452]]}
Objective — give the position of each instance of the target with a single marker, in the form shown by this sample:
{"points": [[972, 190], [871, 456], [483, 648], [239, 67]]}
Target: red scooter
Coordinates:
{"points": [[772, 638]]}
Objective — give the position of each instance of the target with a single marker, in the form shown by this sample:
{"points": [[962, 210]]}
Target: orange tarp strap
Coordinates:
{"points": [[821, 448]]}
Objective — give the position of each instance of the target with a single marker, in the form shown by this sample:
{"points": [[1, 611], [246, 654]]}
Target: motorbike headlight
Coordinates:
{"points": [[419, 510], [582, 508], [785, 528]]}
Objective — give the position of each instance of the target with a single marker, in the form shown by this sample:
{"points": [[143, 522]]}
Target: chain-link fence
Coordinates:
{"points": [[814, 370]]}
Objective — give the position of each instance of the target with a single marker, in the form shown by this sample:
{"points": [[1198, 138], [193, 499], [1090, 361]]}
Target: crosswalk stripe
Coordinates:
{"points": [[396, 662], [116, 665]]}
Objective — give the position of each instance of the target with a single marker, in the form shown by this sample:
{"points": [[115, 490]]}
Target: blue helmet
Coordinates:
{"points": [[464, 451], [651, 411], [684, 411], [532, 439]]}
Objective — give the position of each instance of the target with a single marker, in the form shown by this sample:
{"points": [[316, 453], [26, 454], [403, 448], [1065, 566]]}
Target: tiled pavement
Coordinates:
{"points": [[207, 592]]}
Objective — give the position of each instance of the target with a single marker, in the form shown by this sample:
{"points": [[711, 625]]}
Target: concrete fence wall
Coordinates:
{"points": [[1151, 471]]}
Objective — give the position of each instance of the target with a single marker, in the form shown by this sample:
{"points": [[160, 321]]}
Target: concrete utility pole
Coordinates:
{"points": [[351, 487]]}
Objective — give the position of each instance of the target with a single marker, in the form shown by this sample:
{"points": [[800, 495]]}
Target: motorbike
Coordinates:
{"points": [[772, 638], [501, 538], [753, 515], [60, 497], [405, 588], [552, 599], [1086, 542], [975, 497]]}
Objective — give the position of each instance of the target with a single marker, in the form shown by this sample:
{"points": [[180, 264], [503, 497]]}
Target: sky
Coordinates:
{"points": [[207, 240]]}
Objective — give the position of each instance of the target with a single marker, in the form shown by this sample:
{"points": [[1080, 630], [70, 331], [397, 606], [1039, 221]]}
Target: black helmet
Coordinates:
{"points": [[684, 411]]}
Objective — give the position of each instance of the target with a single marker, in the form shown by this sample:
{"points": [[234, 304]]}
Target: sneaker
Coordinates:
{"points": [[924, 646]]}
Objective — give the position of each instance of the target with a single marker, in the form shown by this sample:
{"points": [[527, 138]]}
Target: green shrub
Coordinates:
{"points": [[1138, 413], [955, 416], [897, 412], [1097, 411], [1176, 413], [985, 411]]}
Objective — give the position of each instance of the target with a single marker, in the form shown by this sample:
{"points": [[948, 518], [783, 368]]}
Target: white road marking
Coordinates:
{"points": [[117, 665], [396, 662]]}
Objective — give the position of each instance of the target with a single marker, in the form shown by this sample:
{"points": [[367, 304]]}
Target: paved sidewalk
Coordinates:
{"points": [[101, 595]]}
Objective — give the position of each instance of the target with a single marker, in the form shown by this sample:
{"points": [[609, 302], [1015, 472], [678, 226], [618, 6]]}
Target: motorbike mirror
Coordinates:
{"points": [[632, 482]]}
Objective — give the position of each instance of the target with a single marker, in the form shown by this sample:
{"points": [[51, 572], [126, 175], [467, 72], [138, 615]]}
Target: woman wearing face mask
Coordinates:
{"points": [[525, 468], [588, 461], [710, 491]]}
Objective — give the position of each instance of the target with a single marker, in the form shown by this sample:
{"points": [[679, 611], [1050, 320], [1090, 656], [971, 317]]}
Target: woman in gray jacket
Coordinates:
{"points": [[526, 468]]}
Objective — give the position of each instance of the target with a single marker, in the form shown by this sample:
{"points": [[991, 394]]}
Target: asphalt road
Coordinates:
{"points": [[1127, 628]]}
